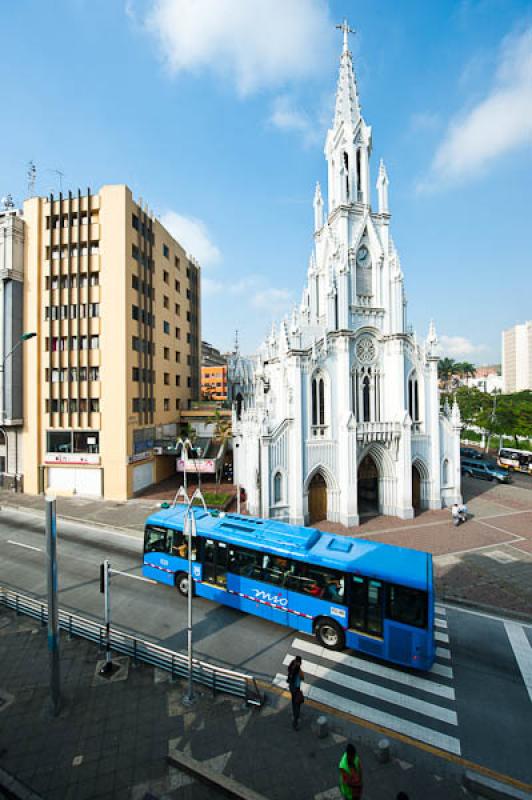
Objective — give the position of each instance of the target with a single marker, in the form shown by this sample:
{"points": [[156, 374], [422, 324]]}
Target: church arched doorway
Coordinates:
{"points": [[317, 499], [416, 489], [368, 487]]}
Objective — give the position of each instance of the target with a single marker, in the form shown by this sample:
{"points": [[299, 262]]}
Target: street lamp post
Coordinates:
{"points": [[185, 443], [190, 532], [23, 338]]}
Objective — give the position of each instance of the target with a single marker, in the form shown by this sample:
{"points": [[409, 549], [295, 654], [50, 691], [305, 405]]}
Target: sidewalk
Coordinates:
{"points": [[487, 562], [111, 740]]}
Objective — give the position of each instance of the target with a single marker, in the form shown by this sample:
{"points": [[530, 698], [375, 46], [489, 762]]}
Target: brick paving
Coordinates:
{"points": [[110, 740]]}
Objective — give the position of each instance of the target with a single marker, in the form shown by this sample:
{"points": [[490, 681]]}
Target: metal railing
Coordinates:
{"points": [[216, 678]]}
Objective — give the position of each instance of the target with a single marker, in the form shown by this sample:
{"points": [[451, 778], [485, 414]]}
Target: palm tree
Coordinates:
{"points": [[446, 368], [468, 369]]}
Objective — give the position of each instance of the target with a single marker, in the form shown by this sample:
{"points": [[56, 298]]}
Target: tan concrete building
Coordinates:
{"points": [[517, 358], [115, 302]]}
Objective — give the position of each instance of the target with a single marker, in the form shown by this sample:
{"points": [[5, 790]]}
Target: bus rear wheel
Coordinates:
{"points": [[181, 583], [330, 634]]}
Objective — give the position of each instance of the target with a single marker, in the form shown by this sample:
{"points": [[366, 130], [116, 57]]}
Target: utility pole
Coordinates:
{"points": [[190, 530], [105, 587], [53, 621]]}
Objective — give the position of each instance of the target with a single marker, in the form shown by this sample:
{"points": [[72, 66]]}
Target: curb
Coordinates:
{"points": [[487, 787], [453, 600], [227, 785]]}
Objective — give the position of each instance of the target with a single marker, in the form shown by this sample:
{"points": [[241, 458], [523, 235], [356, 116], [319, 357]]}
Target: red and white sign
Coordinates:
{"points": [[72, 458], [196, 465]]}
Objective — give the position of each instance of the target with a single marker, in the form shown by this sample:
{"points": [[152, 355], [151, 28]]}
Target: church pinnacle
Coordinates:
{"points": [[347, 100]]}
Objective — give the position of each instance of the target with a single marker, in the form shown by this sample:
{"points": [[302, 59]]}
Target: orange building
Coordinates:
{"points": [[214, 383]]}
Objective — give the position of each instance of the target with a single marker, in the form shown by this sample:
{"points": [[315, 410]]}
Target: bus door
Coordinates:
{"points": [[215, 563], [365, 605]]}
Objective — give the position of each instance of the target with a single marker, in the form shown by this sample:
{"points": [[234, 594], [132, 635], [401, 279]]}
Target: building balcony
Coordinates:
{"points": [[377, 431]]}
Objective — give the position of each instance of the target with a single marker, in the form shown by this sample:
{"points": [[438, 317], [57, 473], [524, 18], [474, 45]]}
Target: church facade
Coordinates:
{"points": [[340, 416]]}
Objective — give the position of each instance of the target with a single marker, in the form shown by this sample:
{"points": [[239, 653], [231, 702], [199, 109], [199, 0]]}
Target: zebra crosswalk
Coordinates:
{"points": [[421, 706]]}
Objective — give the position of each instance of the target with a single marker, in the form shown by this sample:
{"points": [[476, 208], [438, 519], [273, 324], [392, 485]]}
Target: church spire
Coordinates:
{"points": [[347, 102]]}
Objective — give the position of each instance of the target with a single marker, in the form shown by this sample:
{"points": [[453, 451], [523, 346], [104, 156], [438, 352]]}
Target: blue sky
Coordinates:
{"points": [[215, 112]]}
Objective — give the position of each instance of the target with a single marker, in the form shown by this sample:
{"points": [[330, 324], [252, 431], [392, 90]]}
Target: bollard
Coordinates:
{"points": [[383, 751], [323, 727]]}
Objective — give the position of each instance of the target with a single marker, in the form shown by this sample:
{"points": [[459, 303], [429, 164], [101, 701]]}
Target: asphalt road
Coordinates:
{"points": [[475, 703]]}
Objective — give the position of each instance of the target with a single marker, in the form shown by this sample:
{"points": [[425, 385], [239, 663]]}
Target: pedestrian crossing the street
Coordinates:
{"points": [[421, 706]]}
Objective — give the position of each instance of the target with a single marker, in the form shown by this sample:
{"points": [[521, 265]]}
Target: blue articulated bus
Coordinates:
{"points": [[369, 596]]}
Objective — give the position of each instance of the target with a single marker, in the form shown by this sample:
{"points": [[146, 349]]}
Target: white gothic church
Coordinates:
{"points": [[340, 416]]}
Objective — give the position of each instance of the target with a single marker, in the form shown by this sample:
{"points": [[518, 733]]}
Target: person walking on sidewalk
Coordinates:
{"points": [[350, 774], [295, 676]]}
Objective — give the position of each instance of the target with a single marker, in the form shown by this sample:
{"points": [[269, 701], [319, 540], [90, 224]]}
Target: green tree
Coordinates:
{"points": [[446, 367], [222, 435]]}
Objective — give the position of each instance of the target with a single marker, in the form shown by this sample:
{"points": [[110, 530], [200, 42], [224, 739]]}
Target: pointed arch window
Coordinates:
{"points": [[359, 182], [318, 410], [445, 472], [366, 404], [413, 398], [346, 168], [277, 488]]}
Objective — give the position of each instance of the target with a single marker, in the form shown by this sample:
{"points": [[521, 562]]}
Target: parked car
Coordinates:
{"points": [[486, 470], [470, 452]]}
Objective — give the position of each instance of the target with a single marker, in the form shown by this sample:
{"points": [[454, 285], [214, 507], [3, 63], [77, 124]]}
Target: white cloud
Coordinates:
{"points": [[424, 121], [287, 117], [497, 124], [274, 301], [257, 43], [459, 347], [193, 235]]}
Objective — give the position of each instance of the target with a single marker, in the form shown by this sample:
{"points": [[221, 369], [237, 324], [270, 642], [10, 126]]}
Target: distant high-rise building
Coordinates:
{"points": [[116, 304], [11, 354], [517, 357]]}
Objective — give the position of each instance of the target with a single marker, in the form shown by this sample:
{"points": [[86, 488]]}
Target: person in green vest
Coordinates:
{"points": [[350, 774]]}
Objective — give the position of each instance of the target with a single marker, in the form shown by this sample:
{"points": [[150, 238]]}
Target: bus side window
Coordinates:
{"points": [[408, 606], [155, 541], [357, 610], [243, 562], [179, 544]]}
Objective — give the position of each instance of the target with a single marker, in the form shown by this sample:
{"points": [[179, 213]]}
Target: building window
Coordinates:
{"points": [[94, 309], [166, 326], [94, 342], [166, 302], [445, 472], [135, 312], [178, 333], [277, 487], [166, 404], [366, 399], [177, 309], [94, 404], [166, 251], [318, 401], [135, 252], [178, 380], [135, 282], [188, 338], [177, 286], [166, 379], [189, 382], [177, 357], [58, 441], [177, 404], [177, 263], [135, 221], [166, 353], [135, 373], [166, 276], [413, 397]]}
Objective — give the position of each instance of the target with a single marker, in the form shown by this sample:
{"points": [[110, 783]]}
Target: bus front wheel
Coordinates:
{"points": [[181, 582], [330, 634]]}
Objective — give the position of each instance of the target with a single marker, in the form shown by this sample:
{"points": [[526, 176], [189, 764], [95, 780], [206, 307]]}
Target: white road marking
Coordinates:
{"points": [[441, 637], [522, 652], [27, 546], [414, 681], [443, 652], [440, 623], [441, 669], [412, 729], [379, 692], [441, 611]]}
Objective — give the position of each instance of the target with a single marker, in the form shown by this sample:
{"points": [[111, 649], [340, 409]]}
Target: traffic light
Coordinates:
{"points": [[102, 578]]}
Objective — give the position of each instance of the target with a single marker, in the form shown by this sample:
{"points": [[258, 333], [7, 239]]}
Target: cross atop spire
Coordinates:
{"points": [[347, 30]]}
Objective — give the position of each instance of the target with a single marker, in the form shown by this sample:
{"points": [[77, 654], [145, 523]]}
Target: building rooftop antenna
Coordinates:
{"points": [[31, 176]]}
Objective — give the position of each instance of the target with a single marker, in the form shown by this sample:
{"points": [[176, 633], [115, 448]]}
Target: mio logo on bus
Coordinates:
{"points": [[276, 599]]}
